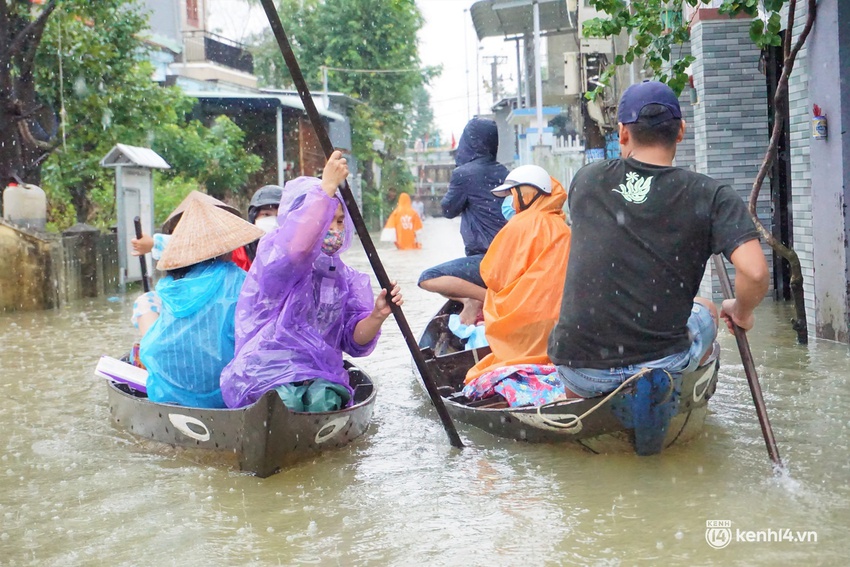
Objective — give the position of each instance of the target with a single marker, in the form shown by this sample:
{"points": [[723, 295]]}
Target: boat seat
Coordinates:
{"points": [[496, 400]]}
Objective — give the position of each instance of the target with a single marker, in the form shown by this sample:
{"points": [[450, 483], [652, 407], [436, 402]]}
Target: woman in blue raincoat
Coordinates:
{"points": [[192, 338], [301, 307]]}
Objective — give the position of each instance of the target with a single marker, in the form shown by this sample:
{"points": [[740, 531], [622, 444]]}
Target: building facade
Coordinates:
{"points": [[803, 200]]}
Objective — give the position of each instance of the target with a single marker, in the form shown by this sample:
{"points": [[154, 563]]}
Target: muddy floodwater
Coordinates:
{"points": [[74, 490]]}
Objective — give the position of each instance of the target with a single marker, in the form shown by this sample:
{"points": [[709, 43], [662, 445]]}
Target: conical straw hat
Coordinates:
{"points": [[204, 232], [174, 217]]}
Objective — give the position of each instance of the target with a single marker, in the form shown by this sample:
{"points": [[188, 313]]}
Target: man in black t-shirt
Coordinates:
{"points": [[642, 233]]}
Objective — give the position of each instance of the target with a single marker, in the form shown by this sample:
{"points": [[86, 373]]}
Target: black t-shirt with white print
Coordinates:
{"points": [[641, 237]]}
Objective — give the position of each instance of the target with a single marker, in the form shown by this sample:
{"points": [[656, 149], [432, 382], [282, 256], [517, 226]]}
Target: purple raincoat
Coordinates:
{"points": [[298, 307]]}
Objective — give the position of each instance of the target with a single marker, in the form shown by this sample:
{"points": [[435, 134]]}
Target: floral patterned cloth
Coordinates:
{"points": [[520, 385]]}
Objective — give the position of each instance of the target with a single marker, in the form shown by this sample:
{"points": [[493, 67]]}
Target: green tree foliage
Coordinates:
{"points": [[214, 156], [356, 35], [78, 82], [422, 117], [104, 92], [658, 32]]}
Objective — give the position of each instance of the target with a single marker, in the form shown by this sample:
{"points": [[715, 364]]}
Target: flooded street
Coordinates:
{"points": [[77, 491]]}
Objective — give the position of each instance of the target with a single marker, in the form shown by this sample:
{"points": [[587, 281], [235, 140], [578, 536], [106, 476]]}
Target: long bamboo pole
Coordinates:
{"points": [[749, 368], [357, 219]]}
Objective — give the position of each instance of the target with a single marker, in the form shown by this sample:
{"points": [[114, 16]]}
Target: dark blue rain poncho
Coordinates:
{"points": [[192, 340], [298, 308], [477, 172]]}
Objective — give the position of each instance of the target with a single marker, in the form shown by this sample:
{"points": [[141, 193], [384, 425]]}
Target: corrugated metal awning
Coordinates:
{"points": [[507, 18], [262, 100]]}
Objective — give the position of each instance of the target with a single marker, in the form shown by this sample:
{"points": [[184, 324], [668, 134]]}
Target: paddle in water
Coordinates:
{"points": [[357, 219], [137, 223], [749, 368]]}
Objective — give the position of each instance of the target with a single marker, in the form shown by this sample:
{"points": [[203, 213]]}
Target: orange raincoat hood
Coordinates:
{"points": [[524, 270], [405, 221]]}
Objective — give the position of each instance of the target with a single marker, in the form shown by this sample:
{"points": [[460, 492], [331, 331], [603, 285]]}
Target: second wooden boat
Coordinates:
{"points": [[644, 417]]}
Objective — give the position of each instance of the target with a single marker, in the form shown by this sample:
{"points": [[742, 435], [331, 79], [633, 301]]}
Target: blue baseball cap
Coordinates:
{"points": [[639, 95]]}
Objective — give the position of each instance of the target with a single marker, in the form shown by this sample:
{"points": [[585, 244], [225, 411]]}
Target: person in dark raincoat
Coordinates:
{"points": [[301, 307], [469, 196]]}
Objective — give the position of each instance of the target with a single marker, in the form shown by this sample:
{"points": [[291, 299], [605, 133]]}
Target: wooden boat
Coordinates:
{"points": [[677, 407], [261, 438]]}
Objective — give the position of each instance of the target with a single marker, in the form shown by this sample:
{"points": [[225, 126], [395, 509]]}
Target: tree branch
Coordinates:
{"points": [[24, 115], [780, 94], [4, 25], [35, 28], [29, 43], [792, 12], [27, 136], [810, 22]]}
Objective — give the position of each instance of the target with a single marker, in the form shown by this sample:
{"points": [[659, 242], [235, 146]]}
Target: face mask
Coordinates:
{"points": [[333, 242], [508, 207], [266, 224]]}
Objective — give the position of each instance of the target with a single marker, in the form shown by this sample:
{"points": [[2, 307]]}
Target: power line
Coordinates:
{"points": [[376, 71]]}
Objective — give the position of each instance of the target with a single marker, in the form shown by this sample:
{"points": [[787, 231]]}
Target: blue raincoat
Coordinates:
{"points": [[189, 344], [469, 195], [299, 307]]}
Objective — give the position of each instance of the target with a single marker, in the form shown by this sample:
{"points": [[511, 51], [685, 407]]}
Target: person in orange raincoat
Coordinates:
{"points": [[403, 224], [524, 270]]}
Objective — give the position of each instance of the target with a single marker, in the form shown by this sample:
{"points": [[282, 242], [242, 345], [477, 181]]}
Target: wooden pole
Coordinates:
{"points": [[357, 219], [137, 223], [749, 368]]}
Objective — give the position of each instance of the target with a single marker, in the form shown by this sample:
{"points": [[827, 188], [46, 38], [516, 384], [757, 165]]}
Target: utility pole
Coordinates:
{"points": [[478, 78], [494, 74], [466, 61]]}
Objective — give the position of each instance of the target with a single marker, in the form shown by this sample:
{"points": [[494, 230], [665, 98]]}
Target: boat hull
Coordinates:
{"points": [[601, 430], [261, 438]]}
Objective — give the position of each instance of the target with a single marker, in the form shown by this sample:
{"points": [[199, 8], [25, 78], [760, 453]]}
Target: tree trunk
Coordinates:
{"points": [[799, 323], [82, 203], [20, 159]]}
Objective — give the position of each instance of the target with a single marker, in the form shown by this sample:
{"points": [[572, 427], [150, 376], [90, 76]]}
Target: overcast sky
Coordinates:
{"points": [[448, 39]]}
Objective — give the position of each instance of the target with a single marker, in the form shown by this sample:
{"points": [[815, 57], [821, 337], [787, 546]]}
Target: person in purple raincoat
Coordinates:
{"points": [[301, 307]]}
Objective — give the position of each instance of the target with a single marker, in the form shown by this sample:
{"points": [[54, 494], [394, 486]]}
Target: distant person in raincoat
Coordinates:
{"points": [[262, 212], [469, 196], [419, 207], [192, 338], [524, 270], [403, 225], [301, 307]]}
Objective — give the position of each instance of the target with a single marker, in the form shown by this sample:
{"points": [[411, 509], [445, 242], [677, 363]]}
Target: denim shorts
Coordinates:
{"points": [[467, 268], [590, 382]]}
